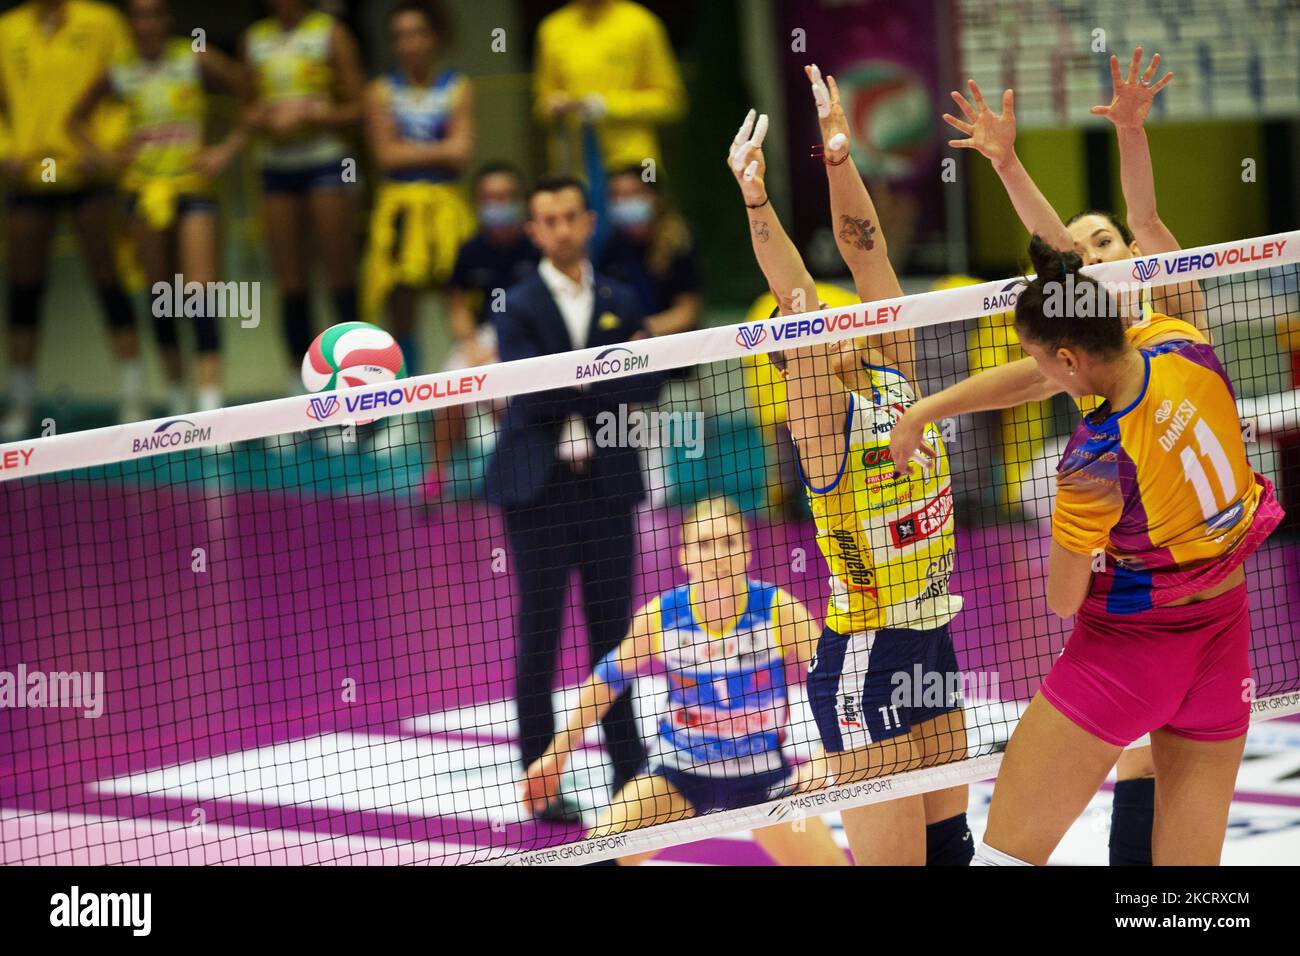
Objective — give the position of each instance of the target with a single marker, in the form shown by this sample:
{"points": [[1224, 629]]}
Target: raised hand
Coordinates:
{"points": [[745, 157], [830, 114], [1132, 101], [993, 135]]}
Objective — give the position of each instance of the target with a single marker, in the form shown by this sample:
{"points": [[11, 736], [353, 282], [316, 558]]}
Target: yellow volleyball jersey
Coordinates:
{"points": [[1163, 487], [889, 540], [167, 105], [45, 76], [764, 387], [294, 65]]}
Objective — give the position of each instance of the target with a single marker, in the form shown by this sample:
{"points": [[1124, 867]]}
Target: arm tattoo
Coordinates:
{"points": [[858, 232], [760, 230]]}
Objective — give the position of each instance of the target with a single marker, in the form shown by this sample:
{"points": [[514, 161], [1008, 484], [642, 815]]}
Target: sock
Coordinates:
{"points": [[132, 380], [178, 397], [22, 387], [1132, 816], [345, 304], [209, 397], [987, 856], [949, 843]]}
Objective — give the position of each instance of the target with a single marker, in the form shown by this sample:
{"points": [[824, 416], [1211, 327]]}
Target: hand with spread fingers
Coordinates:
{"points": [[830, 115], [745, 158], [991, 134], [1132, 101]]}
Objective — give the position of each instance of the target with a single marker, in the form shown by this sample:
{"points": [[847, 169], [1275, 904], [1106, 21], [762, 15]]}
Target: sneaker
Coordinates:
{"points": [[16, 424], [133, 410]]}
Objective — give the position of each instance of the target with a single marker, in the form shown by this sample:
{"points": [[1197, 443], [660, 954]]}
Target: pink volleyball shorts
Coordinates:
{"points": [[1184, 669]]}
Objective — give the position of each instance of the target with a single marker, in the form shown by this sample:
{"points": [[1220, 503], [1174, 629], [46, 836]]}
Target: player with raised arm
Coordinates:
{"points": [[1155, 483], [888, 540], [1096, 237], [725, 641]]}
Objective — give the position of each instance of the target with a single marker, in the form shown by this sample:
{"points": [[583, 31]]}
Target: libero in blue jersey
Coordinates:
{"points": [[723, 642]]}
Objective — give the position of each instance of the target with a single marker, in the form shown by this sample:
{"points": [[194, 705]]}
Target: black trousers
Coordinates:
{"points": [[571, 526]]}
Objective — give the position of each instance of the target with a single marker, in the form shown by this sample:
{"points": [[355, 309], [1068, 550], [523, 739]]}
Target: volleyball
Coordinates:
{"points": [[351, 353]]}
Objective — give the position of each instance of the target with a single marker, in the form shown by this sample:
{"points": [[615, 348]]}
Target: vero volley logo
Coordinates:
{"points": [[320, 409], [751, 336], [1146, 269]]}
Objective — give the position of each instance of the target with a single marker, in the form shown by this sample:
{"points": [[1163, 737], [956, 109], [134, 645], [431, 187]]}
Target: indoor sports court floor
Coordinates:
{"points": [[227, 738]]}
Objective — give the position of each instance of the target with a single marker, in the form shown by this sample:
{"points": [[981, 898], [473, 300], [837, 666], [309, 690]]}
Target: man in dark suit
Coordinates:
{"points": [[567, 498]]}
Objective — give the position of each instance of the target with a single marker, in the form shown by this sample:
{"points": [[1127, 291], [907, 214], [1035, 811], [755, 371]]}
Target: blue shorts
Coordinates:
{"points": [[297, 182], [185, 204], [874, 685], [57, 200], [706, 794]]}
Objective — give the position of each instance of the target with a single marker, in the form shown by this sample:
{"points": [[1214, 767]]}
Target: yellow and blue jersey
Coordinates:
{"points": [[1163, 486], [889, 539], [423, 115], [727, 701], [167, 108], [294, 65]]}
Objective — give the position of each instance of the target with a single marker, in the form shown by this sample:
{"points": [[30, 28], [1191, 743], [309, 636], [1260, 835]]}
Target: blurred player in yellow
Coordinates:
{"points": [[726, 642], [607, 64], [167, 174], [308, 85], [51, 52]]}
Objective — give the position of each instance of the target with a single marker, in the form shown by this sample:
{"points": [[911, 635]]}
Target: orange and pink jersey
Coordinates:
{"points": [[1163, 487]]}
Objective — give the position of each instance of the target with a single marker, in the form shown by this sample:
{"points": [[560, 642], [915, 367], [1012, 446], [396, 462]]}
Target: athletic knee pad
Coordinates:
{"points": [[1132, 816], [25, 304], [206, 340], [164, 331], [116, 306], [987, 856], [949, 843], [297, 324], [345, 304]]}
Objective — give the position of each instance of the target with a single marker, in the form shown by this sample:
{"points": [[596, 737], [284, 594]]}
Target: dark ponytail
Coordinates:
{"points": [[1062, 307]]}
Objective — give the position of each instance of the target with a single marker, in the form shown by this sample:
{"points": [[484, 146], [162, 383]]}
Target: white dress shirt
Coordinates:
{"points": [[575, 300]]}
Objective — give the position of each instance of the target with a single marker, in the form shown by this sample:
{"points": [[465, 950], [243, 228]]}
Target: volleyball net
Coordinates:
{"points": [[250, 635]]}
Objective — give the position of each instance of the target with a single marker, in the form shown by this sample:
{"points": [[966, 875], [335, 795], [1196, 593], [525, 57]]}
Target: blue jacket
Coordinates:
{"points": [[525, 456]]}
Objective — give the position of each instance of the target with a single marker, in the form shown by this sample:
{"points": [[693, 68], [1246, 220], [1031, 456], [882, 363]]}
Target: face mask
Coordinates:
{"points": [[498, 215], [631, 212]]}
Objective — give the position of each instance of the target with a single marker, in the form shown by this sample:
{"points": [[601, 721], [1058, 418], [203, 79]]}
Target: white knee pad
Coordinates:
{"points": [[985, 855]]}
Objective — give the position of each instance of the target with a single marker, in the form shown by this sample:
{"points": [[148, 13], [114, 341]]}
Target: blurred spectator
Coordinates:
{"points": [[309, 81], [650, 250], [498, 256], [167, 176], [606, 64], [51, 52], [420, 122]]}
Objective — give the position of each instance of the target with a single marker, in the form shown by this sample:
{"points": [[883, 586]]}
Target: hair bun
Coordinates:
{"points": [[1050, 264]]}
